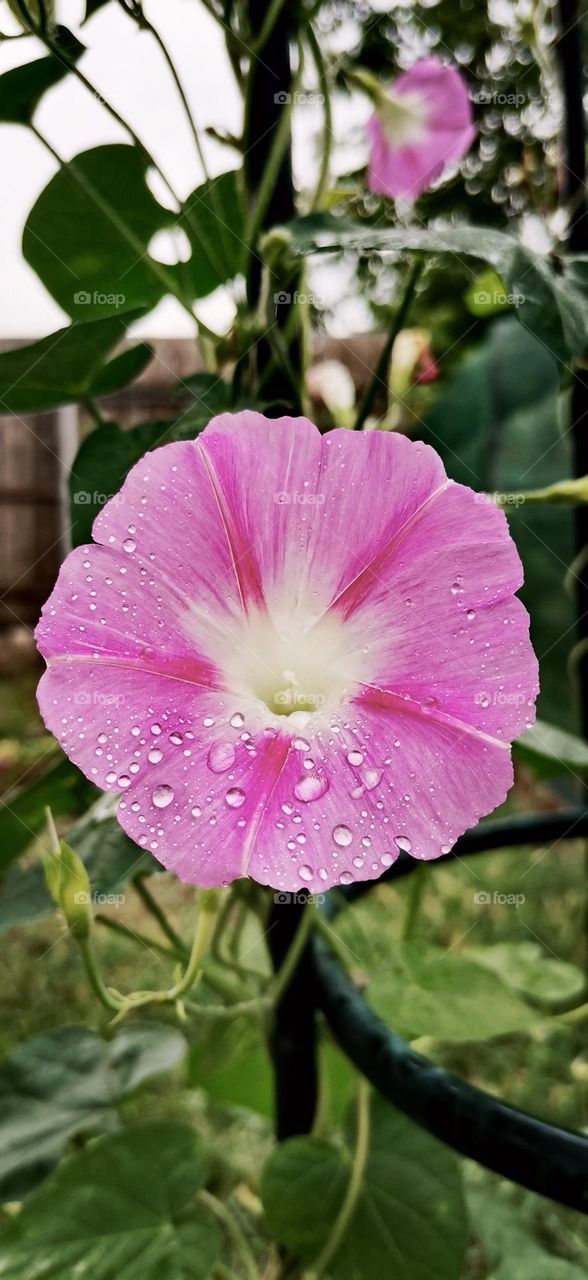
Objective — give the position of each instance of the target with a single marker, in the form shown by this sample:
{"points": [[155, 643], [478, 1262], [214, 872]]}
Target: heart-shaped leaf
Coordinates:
{"points": [[69, 1082], [121, 1208], [409, 1217]]}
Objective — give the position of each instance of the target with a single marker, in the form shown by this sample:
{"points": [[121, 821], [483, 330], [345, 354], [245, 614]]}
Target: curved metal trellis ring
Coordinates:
{"points": [[544, 1157]]}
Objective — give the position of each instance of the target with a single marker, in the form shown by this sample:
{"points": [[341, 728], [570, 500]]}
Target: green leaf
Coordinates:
{"points": [[88, 234], [214, 224], [230, 1062], [106, 456], [509, 1246], [68, 1082], [22, 88], [22, 814], [550, 299], [121, 1208], [549, 750], [103, 460], [123, 369], [62, 368], [496, 427], [540, 978], [409, 1220], [431, 992], [92, 6]]}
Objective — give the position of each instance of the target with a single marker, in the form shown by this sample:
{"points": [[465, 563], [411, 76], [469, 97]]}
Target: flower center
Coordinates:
{"points": [[293, 667], [403, 117]]}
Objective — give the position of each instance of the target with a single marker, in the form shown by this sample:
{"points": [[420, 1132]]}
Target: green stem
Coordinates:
{"points": [[109, 999], [157, 269], [145, 25], [319, 62], [416, 890], [332, 939], [270, 174], [233, 1229], [381, 369], [158, 914], [274, 10], [348, 1207], [150, 160], [133, 935]]}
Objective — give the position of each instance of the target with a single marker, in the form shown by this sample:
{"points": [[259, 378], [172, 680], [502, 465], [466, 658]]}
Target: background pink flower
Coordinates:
{"points": [[421, 123], [293, 655]]}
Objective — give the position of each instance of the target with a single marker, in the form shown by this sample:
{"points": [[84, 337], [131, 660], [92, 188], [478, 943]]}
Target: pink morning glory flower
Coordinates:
{"points": [[422, 122], [292, 655]]}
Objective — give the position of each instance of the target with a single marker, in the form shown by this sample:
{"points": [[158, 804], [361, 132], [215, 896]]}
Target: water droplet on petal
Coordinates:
{"points": [[176, 739], [342, 836], [162, 796], [155, 755], [237, 721], [371, 778], [355, 758], [311, 787], [346, 878], [235, 798], [196, 812], [300, 744], [221, 757], [387, 859], [470, 615], [305, 873], [403, 843], [129, 545]]}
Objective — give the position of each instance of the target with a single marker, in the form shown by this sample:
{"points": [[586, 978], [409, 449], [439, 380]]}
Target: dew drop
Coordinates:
{"points": [[102, 738], [403, 843], [342, 836], [355, 758], [156, 730], [129, 545], [371, 778], [305, 873], [221, 757], [237, 721], [387, 859], [176, 739], [155, 755], [470, 615], [124, 781], [346, 878], [300, 744], [311, 787], [196, 812], [235, 797], [162, 796]]}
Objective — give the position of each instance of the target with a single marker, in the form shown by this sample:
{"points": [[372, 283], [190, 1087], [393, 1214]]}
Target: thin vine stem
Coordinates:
{"points": [[354, 1186], [381, 369], [233, 1229], [149, 159], [159, 915], [156, 269], [327, 139]]}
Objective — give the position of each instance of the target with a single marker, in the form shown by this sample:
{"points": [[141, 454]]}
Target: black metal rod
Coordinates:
{"points": [[543, 1157], [293, 1035]]}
